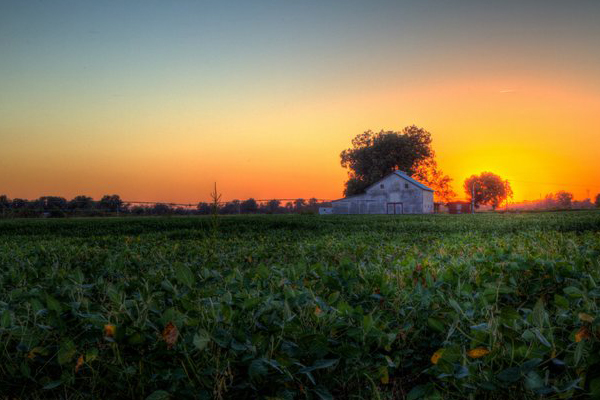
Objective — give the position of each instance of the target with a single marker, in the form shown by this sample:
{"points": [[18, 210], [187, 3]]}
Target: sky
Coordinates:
{"points": [[157, 100]]}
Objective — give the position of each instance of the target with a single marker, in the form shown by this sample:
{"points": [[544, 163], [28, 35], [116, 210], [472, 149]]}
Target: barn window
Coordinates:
{"points": [[406, 186], [381, 186]]}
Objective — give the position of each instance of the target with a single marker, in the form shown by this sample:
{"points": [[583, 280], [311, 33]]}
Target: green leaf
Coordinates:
{"points": [[184, 275], [455, 305], [53, 304], [568, 386], [561, 301], [52, 385], [436, 324], [436, 395], [595, 387], [538, 314], [323, 393], [257, 368], [367, 322], [319, 364], [5, 320], [533, 381], [91, 355], [66, 352], [511, 374], [417, 392], [159, 395], [541, 338], [579, 352], [508, 315], [572, 291], [201, 339], [530, 364]]}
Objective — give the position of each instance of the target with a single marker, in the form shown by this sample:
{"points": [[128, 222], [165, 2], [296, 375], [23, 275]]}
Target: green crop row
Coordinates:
{"points": [[306, 307]]}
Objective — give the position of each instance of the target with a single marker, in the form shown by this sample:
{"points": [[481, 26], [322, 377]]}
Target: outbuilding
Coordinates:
{"points": [[396, 193], [459, 207]]}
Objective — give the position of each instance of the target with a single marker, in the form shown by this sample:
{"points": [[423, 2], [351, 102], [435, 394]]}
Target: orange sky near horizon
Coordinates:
{"points": [[538, 136], [156, 119]]}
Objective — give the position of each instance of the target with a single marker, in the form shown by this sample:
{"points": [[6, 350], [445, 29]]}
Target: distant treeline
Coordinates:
{"points": [[561, 200], [55, 206]]}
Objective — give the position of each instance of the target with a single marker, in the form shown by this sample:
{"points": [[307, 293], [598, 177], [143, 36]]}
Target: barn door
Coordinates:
{"points": [[395, 208], [398, 208]]}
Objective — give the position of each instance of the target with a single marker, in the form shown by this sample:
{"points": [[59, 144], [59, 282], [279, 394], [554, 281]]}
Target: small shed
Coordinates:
{"points": [[396, 193], [459, 207]]}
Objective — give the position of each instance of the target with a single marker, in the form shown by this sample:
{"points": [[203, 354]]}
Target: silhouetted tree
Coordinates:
{"points": [[4, 205], [81, 203], [597, 202], [298, 204], [161, 209], [249, 206], [549, 201], [204, 208], [53, 203], [374, 155], [489, 189], [289, 207], [17, 204], [138, 210], [582, 204], [273, 206], [564, 198], [111, 203], [231, 207]]}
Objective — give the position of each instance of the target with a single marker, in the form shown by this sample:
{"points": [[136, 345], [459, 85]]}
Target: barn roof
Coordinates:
{"points": [[402, 174], [349, 197]]}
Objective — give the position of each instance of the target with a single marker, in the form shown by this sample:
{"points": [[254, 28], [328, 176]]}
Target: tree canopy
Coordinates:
{"points": [[375, 155], [564, 199], [488, 188]]}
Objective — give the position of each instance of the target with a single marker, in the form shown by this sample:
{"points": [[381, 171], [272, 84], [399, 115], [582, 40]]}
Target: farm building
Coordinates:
{"points": [[459, 207], [397, 193]]}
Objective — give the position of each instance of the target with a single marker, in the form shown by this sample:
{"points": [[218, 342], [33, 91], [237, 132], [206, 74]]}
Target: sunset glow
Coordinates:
{"points": [[157, 100]]}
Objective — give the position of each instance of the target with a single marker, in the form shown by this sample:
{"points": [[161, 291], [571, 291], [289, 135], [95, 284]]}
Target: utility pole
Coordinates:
{"points": [[473, 198], [506, 191]]}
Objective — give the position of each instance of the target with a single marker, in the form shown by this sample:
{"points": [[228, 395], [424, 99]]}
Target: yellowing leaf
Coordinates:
{"points": [[79, 363], [478, 352], [109, 330], [318, 311], [170, 335], [385, 377], [586, 317], [582, 334], [436, 356], [34, 352]]}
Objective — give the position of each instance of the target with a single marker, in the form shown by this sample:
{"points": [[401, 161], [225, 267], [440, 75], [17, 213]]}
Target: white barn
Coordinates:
{"points": [[396, 193]]}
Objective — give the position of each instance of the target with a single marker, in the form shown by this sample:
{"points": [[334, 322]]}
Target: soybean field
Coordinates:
{"points": [[301, 307]]}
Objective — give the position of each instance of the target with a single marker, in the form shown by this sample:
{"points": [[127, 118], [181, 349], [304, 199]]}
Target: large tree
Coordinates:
{"points": [[564, 199], [429, 174], [488, 188], [374, 155], [597, 202]]}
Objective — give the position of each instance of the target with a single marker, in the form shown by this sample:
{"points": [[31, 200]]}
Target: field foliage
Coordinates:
{"points": [[307, 307]]}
